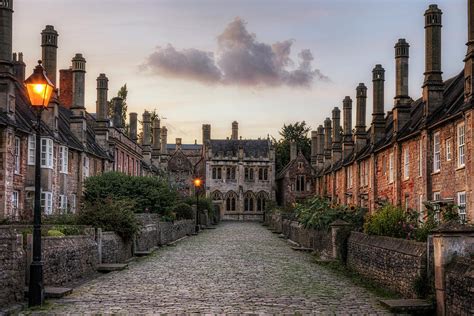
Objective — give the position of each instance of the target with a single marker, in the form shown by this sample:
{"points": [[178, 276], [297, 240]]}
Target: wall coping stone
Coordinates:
{"points": [[408, 247]]}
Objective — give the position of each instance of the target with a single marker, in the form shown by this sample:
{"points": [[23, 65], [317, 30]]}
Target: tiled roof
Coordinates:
{"points": [[252, 148]]}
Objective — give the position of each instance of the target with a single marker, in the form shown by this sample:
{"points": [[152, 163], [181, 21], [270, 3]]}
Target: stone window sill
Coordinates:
{"points": [[461, 167], [436, 172]]}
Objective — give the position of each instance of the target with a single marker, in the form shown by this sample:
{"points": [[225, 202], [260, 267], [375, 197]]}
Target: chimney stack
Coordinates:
{"points": [[401, 111], [327, 141], [65, 87], [146, 126], [361, 133], [102, 110], [49, 44], [433, 84], [469, 60], [164, 140], [293, 150], [320, 152], [178, 143], [19, 67], [314, 148], [133, 117], [156, 151], [347, 143], [206, 134], [235, 130], [336, 153], [378, 112], [117, 104], [78, 117], [6, 18]]}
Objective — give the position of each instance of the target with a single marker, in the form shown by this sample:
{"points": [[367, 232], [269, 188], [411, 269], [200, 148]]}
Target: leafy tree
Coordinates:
{"points": [[122, 93], [297, 132]]}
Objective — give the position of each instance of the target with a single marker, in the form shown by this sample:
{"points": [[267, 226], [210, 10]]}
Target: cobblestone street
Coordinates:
{"points": [[236, 268]]}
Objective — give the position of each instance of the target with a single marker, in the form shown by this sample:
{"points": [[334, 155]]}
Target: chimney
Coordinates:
{"points": [[361, 133], [178, 143], [320, 152], [117, 104], [156, 151], [65, 87], [78, 117], [49, 44], [469, 60], [235, 131], [347, 143], [401, 111], [314, 148], [327, 141], [433, 84], [164, 140], [6, 18], [206, 134], [378, 112], [19, 67], [336, 153], [133, 126], [102, 108], [293, 150], [146, 118]]}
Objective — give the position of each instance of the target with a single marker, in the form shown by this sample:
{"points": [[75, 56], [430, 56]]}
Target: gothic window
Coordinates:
{"points": [[300, 183], [230, 173], [217, 173], [216, 196], [249, 174], [249, 202], [261, 201], [231, 201]]}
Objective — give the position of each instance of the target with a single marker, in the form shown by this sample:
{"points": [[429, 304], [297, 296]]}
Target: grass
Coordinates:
{"points": [[357, 279]]}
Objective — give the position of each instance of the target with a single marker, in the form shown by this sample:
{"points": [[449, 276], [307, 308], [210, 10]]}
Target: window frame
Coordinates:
{"points": [[462, 206], [63, 159], [46, 202], [47, 153], [391, 168], [31, 150], [449, 153], [436, 152], [461, 145], [406, 164], [17, 155]]}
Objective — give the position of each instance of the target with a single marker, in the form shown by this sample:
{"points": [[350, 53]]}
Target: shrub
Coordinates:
{"points": [[55, 233], [60, 219], [390, 221], [111, 215], [183, 211]]}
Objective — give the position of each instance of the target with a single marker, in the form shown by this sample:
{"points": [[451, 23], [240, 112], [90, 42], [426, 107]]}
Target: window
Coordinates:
{"points": [[85, 170], [249, 174], [63, 203], [263, 174], [230, 173], [46, 153], [421, 214], [231, 202], [384, 165], [261, 200], [349, 177], [248, 202], [366, 172], [31, 150], [462, 206], [47, 203], [448, 149], [420, 159], [390, 168], [73, 203], [407, 202], [406, 164], [300, 183], [17, 155], [300, 165], [461, 145], [436, 207], [15, 200], [63, 159], [436, 153]]}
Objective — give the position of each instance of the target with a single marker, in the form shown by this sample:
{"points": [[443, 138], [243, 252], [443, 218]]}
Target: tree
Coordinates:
{"points": [[122, 93], [297, 132]]}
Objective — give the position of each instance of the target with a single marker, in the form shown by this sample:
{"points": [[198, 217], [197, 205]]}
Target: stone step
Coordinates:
{"points": [[54, 292], [143, 253], [418, 306], [109, 267], [302, 249]]}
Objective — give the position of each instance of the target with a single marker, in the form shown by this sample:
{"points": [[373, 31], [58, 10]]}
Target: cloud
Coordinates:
{"points": [[239, 60]]}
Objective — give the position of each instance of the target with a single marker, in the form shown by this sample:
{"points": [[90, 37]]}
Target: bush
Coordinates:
{"points": [[60, 219], [183, 211], [149, 194], [111, 215], [55, 233], [390, 221]]}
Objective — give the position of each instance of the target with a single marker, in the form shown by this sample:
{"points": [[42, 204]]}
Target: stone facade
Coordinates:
{"points": [[460, 287], [12, 267], [391, 262], [115, 249]]}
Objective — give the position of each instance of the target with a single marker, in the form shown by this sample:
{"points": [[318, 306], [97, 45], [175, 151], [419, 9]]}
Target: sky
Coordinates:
{"points": [[263, 63]]}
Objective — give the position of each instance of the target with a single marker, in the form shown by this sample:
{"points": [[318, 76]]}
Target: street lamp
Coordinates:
{"points": [[197, 184], [39, 89]]}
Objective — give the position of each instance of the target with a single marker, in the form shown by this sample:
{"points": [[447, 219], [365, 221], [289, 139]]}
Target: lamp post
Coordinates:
{"points": [[197, 184], [39, 89]]}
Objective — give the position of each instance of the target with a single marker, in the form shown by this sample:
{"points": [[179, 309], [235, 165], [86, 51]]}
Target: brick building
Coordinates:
{"points": [[421, 150]]}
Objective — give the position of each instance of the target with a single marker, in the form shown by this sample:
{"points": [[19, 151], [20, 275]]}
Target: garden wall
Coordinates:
{"points": [[12, 267], [460, 287], [68, 259], [173, 231], [318, 240], [149, 235], [391, 262], [114, 249]]}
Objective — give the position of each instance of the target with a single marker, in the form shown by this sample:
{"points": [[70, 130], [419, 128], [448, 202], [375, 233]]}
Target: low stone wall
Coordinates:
{"points": [[173, 231], [460, 287], [391, 262], [12, 267], [68, 259], [147, 238], [319, 241], [114, 249], [274, 221]]}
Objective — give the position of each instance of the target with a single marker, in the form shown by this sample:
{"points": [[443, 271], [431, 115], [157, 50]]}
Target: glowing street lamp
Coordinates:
{"points": [[40, 90], [197, 184]]}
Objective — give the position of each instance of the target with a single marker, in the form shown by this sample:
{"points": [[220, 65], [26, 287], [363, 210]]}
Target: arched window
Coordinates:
{"points": [[262, 198], [249, 201], [231, 201], [216, 196]]}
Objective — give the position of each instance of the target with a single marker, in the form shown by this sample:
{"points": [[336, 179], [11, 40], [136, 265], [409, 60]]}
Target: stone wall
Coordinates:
{"points": [[114, 249], [149, 235], [391, 262], [318, 240], [68, 259], [173, 231], [460, 287], [12, 267]]}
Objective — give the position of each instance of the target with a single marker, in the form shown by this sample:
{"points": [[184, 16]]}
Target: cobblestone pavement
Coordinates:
{"points": [[236, 268]]}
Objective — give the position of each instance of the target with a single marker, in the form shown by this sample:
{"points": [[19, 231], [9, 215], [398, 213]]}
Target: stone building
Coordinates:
{"points": [[75, 144], [239, 175], [421, 150], [295, 182]]}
